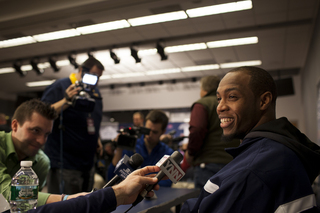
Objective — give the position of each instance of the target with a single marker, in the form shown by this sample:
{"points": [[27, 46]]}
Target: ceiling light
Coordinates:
{"points": [[17, 42], [34, 63], [160, 51], [63, 63], [233, 42], [186, 47], [114, 57], [39, 83], [103, 77], [164, 17], [72, 60], [220, 8], [56, 35], [113, 25], [17, 67], [26, 67], [164, 71], [6, 70], [240, 64], [53, 64], [134, 54], [152, 51], [200, 68]]}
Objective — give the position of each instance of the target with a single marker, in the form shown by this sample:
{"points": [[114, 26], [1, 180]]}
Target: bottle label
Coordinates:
{"points": [[20, 193]]}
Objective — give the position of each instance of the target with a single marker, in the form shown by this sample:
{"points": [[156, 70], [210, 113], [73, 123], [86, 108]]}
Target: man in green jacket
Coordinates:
{"points": [[31, 124]]}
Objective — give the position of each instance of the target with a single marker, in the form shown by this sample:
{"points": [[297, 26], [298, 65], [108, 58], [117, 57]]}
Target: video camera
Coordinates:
{"points": [[128, 137], [83, 101]]}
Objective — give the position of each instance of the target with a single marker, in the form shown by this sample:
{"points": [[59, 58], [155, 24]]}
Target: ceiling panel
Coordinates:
{"points": [[284, 29]]}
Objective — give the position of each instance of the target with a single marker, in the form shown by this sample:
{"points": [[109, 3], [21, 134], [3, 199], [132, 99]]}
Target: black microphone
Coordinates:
{"points": [[169, 166], [124, 167]]}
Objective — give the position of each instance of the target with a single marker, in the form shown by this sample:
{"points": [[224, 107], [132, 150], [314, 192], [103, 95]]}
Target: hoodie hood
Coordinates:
{"points": [[282, 131]]}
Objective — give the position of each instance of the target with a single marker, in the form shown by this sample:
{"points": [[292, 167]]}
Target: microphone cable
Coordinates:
{"points": [[61, 185], [128, 209]]}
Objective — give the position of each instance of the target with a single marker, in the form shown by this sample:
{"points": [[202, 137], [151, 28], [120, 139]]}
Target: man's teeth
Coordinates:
{"points": [[224, 120]]}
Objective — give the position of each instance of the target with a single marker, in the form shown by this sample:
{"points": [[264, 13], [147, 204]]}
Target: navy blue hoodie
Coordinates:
{"points": [[272, 171]]}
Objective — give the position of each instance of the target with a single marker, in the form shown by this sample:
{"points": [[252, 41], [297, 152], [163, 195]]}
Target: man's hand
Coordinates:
{"points": [[127, 191], [100, 148], [71, 91]]}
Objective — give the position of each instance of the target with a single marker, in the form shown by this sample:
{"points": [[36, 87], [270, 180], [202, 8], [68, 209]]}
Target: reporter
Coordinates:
{"points": [[106, 200]]}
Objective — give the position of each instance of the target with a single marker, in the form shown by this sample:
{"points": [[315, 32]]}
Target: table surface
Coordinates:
{"points": [[167, 197]]}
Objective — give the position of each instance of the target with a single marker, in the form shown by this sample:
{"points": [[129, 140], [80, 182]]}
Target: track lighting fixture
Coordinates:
{"points": [[34, 63], [72, 60], [17, 67], [134, 54], [53, 63], [114, 57], [160, 51]]}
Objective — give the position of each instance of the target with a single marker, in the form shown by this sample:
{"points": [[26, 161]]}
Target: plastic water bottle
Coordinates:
{"points": [[24, 189]]}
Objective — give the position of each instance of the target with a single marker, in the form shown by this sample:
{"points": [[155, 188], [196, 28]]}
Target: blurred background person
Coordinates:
{"points": [[138, 119], [205, 149], [79, 130], [4, 123]]}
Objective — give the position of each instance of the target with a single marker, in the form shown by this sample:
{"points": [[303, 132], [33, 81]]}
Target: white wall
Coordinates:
{"points": [[163, 96], [291, 106], [310, 78]]}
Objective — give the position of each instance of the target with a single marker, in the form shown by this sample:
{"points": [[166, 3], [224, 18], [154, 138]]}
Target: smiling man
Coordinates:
{"points": [[274, 166], [31, 124]]}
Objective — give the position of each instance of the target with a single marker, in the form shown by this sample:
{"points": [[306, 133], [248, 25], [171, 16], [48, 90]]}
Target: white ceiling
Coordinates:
{"points": [[284, 29]]}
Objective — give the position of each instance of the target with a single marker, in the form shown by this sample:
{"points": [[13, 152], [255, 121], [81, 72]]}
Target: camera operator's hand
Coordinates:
{"points": [[71, 91]]}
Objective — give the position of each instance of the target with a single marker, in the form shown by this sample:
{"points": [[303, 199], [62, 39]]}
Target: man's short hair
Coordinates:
{"points": [[27, 108], [140, 114], [260, 82], [91, 62], [209, 83], [158, 116]]}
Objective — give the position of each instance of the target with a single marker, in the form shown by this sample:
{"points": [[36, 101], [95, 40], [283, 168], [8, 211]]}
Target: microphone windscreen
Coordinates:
{"points": [[135, 161], [177, 157]]}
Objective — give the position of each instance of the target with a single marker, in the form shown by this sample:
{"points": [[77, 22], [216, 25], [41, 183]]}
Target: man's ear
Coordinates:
{"points": [[265, 100], [14, 125]]}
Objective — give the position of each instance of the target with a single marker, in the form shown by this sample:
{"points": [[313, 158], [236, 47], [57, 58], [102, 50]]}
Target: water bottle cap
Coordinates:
{"points": [[26, 163]]}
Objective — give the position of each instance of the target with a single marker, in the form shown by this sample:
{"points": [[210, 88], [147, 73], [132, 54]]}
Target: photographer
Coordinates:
{"points": [[79, 128], [148, 146]]}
